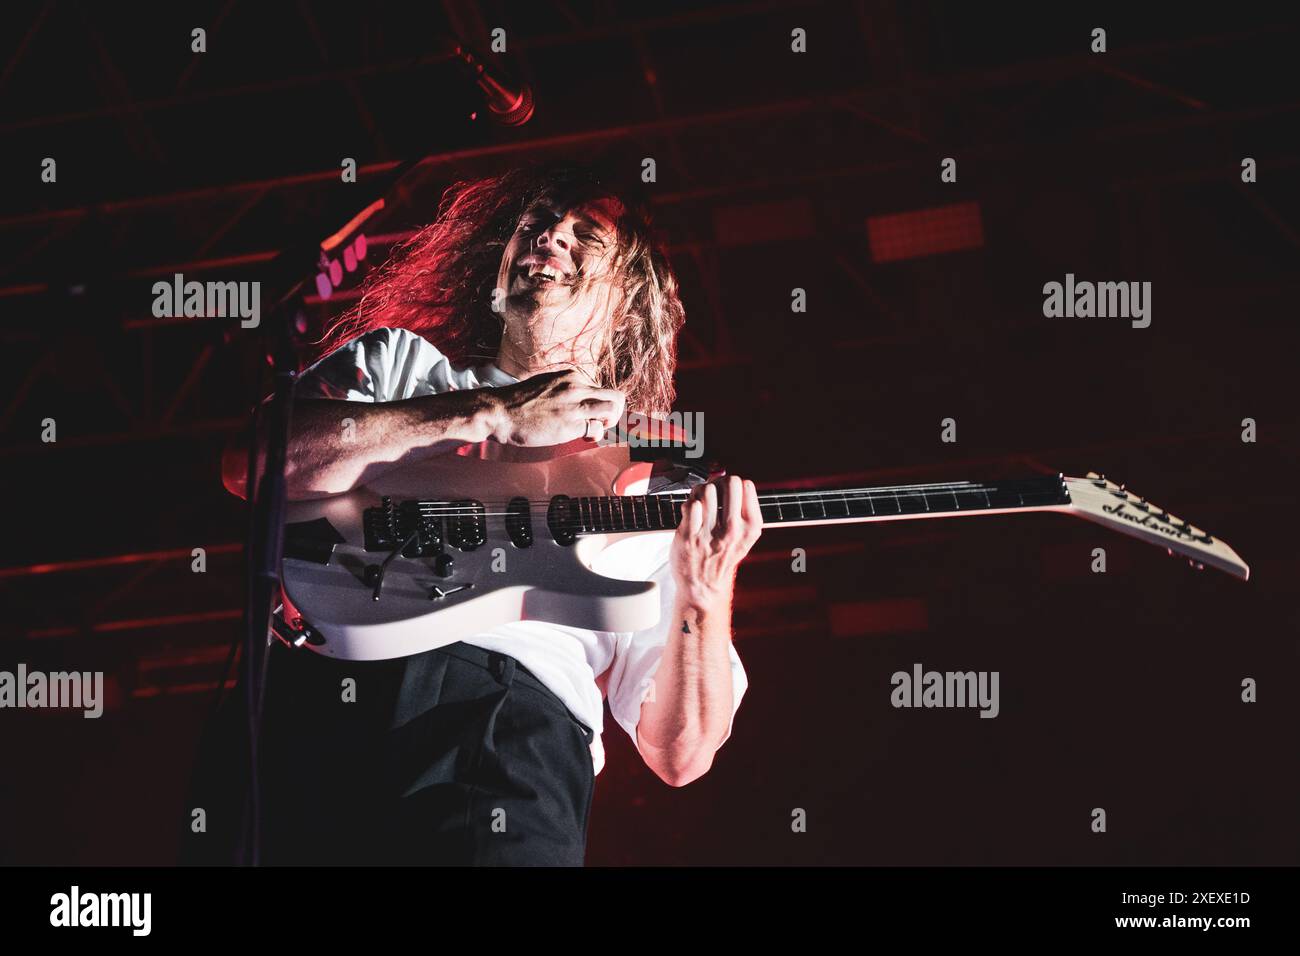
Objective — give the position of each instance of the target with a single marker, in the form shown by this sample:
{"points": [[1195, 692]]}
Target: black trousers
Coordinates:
{"points": [[458, 756]]}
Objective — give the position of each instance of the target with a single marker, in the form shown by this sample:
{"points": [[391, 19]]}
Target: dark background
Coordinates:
{"points": [[1119, 690]]}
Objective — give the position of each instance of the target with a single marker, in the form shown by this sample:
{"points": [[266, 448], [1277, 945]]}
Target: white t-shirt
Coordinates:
{"points": [[387, 365]]}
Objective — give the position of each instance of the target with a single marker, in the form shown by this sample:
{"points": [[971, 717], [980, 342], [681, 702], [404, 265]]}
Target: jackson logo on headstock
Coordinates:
{"points": [[1155, 524]]}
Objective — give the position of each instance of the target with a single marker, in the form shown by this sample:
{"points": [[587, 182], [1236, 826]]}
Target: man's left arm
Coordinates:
{"points": [[688, 716]]}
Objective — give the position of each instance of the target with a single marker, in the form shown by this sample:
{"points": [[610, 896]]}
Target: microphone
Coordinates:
{"points": [[508, 103]]}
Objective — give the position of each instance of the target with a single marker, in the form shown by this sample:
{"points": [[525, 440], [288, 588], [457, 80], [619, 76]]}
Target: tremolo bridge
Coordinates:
{"points": [[432, 529]]}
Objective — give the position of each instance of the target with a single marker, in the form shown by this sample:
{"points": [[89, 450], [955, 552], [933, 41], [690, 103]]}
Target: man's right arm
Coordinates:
{"points": [[337, 445]]}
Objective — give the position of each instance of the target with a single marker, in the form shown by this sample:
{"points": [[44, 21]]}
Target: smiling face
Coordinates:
{"points": [[557, 270], [462, 281]]}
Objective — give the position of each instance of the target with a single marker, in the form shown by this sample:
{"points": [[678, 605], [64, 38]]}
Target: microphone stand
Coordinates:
{"points": [[267, 491], [265, 548]]}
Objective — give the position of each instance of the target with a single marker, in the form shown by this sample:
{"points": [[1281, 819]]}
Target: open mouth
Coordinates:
{"points": [[538, 276]]}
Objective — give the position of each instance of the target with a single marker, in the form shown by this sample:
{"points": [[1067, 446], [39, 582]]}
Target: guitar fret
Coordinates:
{"points": [[859, 506], [909, 505], [620, 513]]}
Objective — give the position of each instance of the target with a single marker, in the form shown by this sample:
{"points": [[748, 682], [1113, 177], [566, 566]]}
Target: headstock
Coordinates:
{"points": [[1099, 499]]}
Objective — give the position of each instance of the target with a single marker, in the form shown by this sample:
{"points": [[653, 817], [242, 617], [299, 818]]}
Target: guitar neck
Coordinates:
{"points": [[620, 514]]}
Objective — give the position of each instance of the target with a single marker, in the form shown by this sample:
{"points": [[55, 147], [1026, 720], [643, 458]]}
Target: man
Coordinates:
{"points": [[533, 311]]}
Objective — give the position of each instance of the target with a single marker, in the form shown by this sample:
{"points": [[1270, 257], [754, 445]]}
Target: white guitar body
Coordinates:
{"points": [[338, 603], [418, 609]]}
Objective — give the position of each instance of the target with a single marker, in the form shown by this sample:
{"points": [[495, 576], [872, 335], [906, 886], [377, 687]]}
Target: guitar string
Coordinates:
{"points": [[605, 522], [891, 489], [454, 509], [575, 521], [599, 516]]}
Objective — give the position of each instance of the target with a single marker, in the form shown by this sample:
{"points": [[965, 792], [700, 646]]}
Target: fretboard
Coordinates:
{"points": [[607, 515]]}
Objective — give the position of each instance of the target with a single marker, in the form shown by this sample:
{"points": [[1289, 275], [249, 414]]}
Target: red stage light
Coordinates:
{"points": [[926, 232]]}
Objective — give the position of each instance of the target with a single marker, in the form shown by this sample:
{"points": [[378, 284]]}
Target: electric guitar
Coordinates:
{"points": [[433, 552]]}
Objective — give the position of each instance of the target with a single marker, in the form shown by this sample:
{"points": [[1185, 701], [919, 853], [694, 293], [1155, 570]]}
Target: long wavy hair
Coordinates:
{"points": [[439, 283]]}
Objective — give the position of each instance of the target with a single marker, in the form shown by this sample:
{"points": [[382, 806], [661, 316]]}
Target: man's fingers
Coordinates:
{"points": [[607, 412], [709, 497], [732, 503], [601, 394], [613, 397], [692, 515], [753, 509]]}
